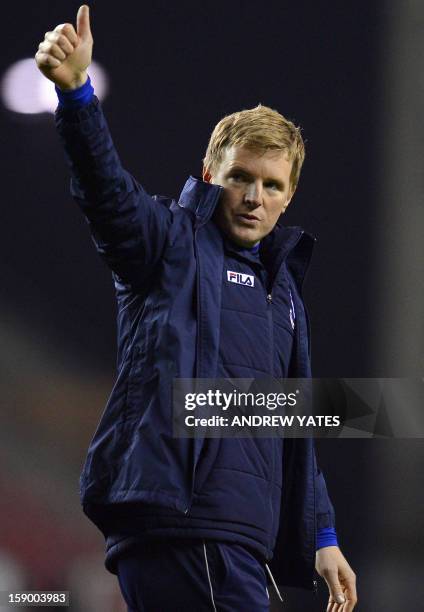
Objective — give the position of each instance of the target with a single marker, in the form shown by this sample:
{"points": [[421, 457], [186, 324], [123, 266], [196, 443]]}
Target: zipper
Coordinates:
{"points": [[314, 582], [271, 333], [198, 345], [199, 305], [271, 371]]}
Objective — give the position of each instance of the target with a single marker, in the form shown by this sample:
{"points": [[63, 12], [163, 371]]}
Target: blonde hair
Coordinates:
{"points": [[260, 129]]}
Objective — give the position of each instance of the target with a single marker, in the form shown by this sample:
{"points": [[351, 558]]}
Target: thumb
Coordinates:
{"points": [[335, 589], [83, 22]]}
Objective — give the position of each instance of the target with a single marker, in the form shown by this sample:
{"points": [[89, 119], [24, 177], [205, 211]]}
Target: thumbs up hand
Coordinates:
{"points": [[65, 54]]}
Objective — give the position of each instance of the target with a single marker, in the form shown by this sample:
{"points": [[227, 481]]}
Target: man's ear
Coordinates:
{"points": [[206, 175], [289, 199]]}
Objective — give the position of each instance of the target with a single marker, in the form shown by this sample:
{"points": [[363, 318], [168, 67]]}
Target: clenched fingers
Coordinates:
{"points": [[46, 60], [67, 30], [61, 41], [52, 49]]}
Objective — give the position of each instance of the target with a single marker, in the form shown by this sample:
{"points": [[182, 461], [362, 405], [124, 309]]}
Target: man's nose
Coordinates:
{"points": [[253, 195]]}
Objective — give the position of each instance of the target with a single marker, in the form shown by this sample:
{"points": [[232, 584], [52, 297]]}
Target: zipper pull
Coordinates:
{"points": [[269, 298]]}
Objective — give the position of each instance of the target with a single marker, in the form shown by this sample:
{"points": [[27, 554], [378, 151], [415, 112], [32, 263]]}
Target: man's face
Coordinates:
{"points": [[256, 192]]}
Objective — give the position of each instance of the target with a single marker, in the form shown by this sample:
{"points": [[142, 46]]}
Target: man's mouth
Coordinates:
{"points": [[248, 217]]}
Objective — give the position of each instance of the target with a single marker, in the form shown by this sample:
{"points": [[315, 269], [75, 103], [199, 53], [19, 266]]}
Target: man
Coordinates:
{"points": [[190, 524]]}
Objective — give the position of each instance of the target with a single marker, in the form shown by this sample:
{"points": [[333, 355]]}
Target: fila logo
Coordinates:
{"points": [[241, 279]]}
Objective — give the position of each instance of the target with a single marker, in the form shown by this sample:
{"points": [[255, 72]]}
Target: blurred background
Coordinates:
{"points": [[351, 75]]}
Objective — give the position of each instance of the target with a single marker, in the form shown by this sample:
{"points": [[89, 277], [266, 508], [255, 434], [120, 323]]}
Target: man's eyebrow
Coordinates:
{"points": [[239, 169]]}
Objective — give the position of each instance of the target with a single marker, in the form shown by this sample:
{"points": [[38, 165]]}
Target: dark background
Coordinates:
{"points": [[174, 70]]}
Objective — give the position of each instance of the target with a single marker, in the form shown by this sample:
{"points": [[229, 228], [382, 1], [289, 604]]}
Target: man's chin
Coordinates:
{"points": [[246, 239]]}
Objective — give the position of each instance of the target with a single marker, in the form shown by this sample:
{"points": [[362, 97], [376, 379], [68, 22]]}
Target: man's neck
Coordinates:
{"points": [[252, 249]]}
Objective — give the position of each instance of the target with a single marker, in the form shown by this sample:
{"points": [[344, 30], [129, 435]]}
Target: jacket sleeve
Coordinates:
{"points": [[325, 516], [129, 227]]}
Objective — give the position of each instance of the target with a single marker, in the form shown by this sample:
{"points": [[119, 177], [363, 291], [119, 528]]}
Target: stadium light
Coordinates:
{"points": [[25, 90]]}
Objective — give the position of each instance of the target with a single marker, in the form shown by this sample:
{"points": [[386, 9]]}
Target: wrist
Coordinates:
{"points": [[76, 98], [78, 82]]}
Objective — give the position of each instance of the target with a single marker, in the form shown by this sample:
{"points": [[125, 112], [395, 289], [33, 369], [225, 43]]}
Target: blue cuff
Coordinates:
{"points": [[326, 537], [76, 98]]}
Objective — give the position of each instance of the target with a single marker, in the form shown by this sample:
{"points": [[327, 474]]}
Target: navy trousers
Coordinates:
{"points": [[202, 575]]}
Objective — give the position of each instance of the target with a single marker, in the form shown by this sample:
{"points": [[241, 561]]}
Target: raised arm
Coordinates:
{"points": [[129, 227]]}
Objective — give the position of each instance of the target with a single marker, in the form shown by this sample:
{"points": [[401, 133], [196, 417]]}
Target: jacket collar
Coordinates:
{"points": [[200, 198]]}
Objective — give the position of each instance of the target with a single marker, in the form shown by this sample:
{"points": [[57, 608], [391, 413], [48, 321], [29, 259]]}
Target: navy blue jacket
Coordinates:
{"points": [[238, 484], [167, 261]]}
